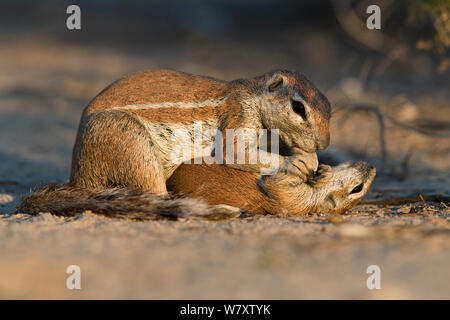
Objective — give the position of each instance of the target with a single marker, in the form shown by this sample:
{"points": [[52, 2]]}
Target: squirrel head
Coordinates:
{"points": [[293, 105], [342, 187], [331, 190]]}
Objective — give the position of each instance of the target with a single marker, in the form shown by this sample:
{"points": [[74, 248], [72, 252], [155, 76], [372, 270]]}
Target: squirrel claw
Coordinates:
{"points": [[302, 165]]}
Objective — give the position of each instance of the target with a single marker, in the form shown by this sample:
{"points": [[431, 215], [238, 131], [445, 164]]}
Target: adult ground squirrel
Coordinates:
{"points": [[214, 192], [125, 136]]}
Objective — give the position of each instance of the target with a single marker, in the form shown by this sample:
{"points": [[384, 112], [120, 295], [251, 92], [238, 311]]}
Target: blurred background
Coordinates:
{"points": [[390, 94]]}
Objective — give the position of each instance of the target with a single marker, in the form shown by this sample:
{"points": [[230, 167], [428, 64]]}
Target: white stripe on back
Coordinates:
{"points": [[183, 105]]}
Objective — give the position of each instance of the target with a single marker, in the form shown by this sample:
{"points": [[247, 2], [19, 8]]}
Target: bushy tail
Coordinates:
{"points": [[122, 203]]}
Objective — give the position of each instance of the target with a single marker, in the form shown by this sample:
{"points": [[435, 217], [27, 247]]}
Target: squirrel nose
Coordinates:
{"points": [[323, 143]]}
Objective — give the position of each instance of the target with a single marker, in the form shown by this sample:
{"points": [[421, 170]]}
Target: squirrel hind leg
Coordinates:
{"points": [[113, 149]]}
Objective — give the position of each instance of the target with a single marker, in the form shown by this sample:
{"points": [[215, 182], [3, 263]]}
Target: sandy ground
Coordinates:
{"points": [[44, 85]]}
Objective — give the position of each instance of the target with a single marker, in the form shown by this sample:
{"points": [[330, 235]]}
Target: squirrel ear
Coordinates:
{"points": [[274, 82], [330, 201]]}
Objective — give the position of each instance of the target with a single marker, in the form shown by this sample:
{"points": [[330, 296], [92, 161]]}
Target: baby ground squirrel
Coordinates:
{"points": [[214, 192], [331, 190], [124, 140]]}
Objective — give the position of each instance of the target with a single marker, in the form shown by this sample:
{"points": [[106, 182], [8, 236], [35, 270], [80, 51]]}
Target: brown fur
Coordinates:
{"points": [[157, 87], [177, 115], [211, 192], [218, 184], [327, 192], [103, 160], [115, 147]]}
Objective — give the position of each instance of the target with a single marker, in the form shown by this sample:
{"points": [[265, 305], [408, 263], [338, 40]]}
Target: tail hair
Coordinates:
{"points": [[121, 203]]}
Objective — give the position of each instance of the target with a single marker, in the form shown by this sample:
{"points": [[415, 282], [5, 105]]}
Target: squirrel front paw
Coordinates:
{"points": [[302, 165]]}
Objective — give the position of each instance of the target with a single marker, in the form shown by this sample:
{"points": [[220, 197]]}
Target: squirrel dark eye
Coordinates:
{"points": [[299, 109], [357, 189]]}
